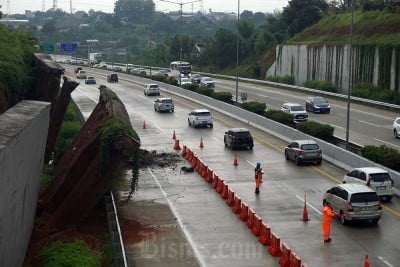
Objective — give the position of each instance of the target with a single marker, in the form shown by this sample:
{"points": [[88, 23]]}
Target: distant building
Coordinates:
{"points": [[80, 14], [15, 23]]}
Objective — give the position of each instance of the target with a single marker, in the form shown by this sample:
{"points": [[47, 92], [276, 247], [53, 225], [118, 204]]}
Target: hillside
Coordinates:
{"points": [[370, 28]]}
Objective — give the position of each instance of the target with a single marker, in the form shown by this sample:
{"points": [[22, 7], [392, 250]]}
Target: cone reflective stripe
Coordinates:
{"points": [[144, 125]]}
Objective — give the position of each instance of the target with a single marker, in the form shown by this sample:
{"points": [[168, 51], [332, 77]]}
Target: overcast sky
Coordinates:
{"points": [[19, 6]]}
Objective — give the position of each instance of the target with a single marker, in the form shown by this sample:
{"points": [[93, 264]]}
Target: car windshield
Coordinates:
{"points": [[185, 80], [310, 147], [296, 108], [208, 79], [379, 177], [153, 86], [319, 100], [203, 114], [364, 197], [166, 101]]}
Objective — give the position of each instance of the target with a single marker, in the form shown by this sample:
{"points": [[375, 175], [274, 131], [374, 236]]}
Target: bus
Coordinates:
{"points": [[180, 67]]}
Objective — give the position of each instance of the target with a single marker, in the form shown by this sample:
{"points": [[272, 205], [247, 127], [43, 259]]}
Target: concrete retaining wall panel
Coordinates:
{"points": [[23, 134]]}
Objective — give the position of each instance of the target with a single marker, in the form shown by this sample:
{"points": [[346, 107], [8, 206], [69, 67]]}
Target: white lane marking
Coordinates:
{"points": [[87, 95], [254, 165], [308, 204], [376, 125], [179, 220], [385, 262], [386, 142]]}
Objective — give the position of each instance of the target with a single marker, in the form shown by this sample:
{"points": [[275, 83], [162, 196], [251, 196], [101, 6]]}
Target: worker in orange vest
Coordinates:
{"points": [[258, 172], [327, 215]]}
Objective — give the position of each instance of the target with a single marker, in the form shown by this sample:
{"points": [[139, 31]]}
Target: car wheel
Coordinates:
{"points": [[319, 162], [389, 198], [395, 134], [189, 123], [251, 147], [155, 109], [286, 156], [343, 220], [211, 125], [172, 110], [144, 92], [225, 142], [297, 161]]}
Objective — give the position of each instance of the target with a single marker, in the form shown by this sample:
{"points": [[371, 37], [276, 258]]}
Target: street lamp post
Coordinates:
{"points": [[237, 53], [181, 28], [90, 43], [350, 75]]}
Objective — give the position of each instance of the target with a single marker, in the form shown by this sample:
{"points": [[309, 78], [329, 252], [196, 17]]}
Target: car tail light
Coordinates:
{"points": [[369, 182], [300, 152], [349, 207]]}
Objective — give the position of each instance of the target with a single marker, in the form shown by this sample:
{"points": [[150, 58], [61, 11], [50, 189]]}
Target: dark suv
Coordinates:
{"points": [[236, 138], [112, 78]]}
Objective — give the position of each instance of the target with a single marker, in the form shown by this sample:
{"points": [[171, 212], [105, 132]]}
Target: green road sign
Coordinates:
{"points": [[47, 48]]}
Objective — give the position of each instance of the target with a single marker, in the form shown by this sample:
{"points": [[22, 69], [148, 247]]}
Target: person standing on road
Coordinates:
{"points": [[327, 215], [258, 172]]}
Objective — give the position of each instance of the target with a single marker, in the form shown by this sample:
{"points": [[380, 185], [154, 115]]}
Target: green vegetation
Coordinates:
{"points": [[69, 254], [370, 91], [223, 96], [256, 107], [383, 155], [279, 116], [16, 61], [318, 130], [370, 28], [47, 176], [287, 79], [321, 85]]}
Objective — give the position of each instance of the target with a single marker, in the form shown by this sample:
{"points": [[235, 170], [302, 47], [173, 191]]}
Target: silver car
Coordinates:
{"points": [[200, 117], [376, 178], [164, 104], [354, 202], [303, 151], [296, 110]]}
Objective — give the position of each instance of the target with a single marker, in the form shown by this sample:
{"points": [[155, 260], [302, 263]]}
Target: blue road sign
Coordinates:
{"points": [[69, 47]]}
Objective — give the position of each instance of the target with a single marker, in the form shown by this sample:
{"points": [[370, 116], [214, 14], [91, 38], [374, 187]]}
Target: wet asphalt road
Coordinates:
{"points": [[203, 221]]}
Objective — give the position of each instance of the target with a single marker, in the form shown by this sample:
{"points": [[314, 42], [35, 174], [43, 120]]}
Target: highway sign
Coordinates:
{"points": [[47, 48], [69, 47]]}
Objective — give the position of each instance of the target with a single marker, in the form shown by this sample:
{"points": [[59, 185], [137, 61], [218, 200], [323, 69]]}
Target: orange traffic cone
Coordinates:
{"points": [[366, 262], [235, 161], [201, 143], [176, 146], [174, 136], [144, 125], [305, 213]]}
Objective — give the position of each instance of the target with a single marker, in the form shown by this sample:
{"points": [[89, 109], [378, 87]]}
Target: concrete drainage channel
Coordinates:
{"points": [[119, 257]]}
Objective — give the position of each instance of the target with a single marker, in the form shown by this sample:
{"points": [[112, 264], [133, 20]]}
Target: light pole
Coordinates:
{"points": [[237, 53], [350, 75], [180, 36]]}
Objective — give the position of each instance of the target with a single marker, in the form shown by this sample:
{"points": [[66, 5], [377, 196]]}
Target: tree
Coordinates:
{"points": [[137, 11], [300, 14], [49, 27], [246, 15], [223, 49]]}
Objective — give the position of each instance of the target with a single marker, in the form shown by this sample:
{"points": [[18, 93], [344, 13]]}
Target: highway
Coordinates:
{"points": [[208, 223]]}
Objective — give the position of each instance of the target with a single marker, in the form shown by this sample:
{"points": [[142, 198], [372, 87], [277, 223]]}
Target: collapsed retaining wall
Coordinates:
{"points": [[376, 65], [23, 133]]}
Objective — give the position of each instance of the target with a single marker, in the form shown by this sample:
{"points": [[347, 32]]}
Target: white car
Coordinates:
{"points": [[152, 89], [296, 110], [200, 117], [376, 178], [164, 104], [396, 127], [184, 80], [81, 74]]}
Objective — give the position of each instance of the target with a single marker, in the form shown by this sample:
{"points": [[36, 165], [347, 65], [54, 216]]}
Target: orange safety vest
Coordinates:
{"points": [[327, 214], [258, 176]]}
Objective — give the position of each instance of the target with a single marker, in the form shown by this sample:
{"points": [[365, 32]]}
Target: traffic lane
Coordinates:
{"points": [[219, 141], [246, 175], [368, 125]]}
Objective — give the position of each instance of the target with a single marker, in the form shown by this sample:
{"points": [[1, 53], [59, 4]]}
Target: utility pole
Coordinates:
{"points": [[54, 4], [43, 6]]}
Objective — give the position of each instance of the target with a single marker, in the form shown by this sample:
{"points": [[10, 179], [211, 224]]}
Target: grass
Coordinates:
{"points": [[373, 27]]}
